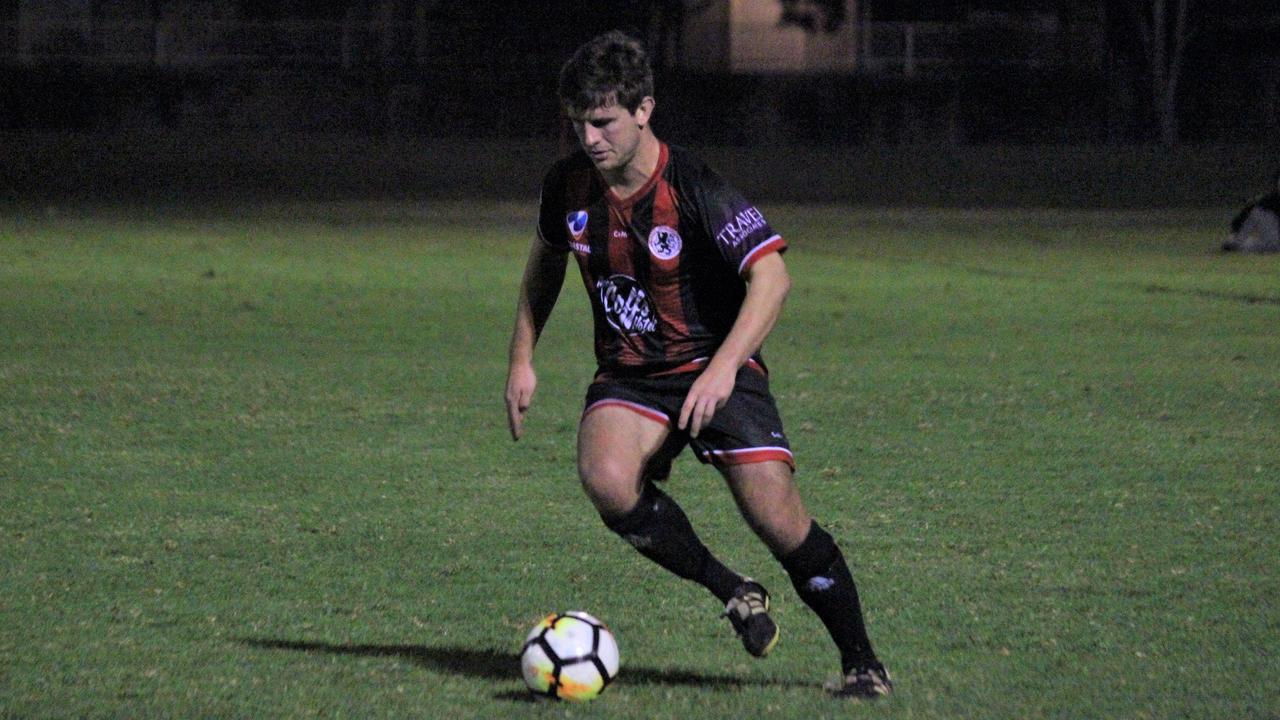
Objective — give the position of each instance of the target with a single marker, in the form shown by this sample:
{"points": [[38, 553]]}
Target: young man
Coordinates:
{"points": [[686, 280]]}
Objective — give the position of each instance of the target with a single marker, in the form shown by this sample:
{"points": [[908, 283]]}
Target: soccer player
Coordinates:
{"points": [[686, 280]]}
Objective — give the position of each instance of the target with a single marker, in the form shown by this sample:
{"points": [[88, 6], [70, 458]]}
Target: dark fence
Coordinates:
{"points": [[158, 166]]}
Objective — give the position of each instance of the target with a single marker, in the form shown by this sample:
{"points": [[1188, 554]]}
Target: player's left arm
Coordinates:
{"points": [[767, 286]]}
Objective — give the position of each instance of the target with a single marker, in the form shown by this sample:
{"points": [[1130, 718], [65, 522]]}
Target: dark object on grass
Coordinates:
{"points": [[1256, 228]]}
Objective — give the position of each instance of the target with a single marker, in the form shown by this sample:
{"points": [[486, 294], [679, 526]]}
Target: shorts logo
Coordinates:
{"points": [[577, 222], [664, 242], [626, 305]]}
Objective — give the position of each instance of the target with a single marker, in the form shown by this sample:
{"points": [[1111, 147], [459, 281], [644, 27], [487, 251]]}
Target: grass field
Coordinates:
{"points": [[254, 463]]}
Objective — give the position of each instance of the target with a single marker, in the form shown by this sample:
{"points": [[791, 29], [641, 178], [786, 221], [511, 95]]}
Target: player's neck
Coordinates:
{"points": [[627, 179]]}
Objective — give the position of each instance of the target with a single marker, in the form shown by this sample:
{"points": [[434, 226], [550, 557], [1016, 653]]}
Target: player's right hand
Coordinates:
{"points": [[521, 382], [706, 396]]}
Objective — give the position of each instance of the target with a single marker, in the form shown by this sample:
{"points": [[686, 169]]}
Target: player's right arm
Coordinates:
{"points": [[543, 277]]}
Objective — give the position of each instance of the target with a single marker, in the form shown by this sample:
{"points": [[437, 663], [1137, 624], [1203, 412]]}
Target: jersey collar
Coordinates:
{"points": [[623, 203]]}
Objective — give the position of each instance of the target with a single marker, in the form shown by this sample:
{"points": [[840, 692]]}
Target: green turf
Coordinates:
{"points": [[254, 463]]}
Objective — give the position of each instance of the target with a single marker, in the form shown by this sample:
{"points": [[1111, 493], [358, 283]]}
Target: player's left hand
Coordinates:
{"points": [[708, 394]]}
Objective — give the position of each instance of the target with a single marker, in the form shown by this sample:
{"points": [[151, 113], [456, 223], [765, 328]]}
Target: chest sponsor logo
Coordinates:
{"points": [[627, 306], [664, 242], [577, 223], [738, 228]]}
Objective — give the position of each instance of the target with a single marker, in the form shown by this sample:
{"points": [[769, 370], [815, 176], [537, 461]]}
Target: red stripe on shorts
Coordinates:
{"points": [[746, 456], [643, 410]]}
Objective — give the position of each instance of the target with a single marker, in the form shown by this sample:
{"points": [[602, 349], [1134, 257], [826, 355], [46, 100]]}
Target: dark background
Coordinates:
{"points": [[1048, 102]]}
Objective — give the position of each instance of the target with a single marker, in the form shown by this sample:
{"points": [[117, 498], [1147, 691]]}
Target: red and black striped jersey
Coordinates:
{"points": [[663, 268]]}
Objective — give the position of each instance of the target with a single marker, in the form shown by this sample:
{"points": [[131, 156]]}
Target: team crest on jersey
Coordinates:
{"points": [[664, 242], [627, 306], [577, 222]]}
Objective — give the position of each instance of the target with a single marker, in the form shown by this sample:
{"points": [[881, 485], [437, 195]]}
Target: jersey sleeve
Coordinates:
{"points": [[552, 230], [738, 228]]}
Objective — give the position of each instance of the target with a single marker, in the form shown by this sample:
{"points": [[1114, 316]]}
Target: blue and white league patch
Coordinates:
{"points": [[577, 223]]}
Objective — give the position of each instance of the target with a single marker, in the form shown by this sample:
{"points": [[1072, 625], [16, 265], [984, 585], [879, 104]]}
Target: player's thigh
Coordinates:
{"points": [[615, 444], [769, 499]]}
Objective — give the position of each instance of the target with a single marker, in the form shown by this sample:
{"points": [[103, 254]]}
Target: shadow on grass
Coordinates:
{"points": [[487, 664]]}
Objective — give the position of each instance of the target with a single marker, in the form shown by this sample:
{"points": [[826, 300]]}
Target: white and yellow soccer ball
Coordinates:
{"points": [[570, 656]]}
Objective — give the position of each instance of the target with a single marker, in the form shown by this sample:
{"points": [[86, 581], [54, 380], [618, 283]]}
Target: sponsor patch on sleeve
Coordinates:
{"points": [[740, 227]]}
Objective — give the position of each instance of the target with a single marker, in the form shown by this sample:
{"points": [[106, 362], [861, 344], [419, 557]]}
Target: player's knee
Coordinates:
{"points": [[613, 488], [781, 532], [782, 527], [772, 508]]}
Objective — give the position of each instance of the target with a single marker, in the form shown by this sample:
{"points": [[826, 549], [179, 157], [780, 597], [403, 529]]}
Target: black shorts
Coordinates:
{"points": [[747, 429]]}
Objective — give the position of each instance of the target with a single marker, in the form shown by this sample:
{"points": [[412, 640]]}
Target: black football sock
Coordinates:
{"points": [[660, 530], [821, 577]]}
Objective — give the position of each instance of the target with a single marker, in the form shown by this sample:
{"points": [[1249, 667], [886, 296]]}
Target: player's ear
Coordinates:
{"points": [[644, 111]]}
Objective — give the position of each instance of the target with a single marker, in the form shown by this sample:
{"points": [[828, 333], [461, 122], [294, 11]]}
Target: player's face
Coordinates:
{"points": [[611, 134]]}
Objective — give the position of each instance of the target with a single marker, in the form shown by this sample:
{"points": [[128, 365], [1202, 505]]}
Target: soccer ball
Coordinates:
{"points": [[571, 656]]}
